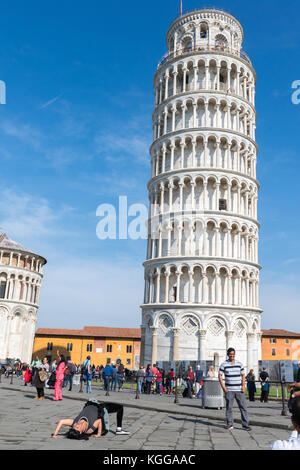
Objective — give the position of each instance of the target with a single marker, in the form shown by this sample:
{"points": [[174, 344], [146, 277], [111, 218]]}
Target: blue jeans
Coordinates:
{"points": [[106, 382], [140, 383], [113, 382], [120, 381], [158, 387], [88, 386]]}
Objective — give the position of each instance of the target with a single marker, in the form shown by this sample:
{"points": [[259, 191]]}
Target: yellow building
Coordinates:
{"points": [[277, 345], [103, 344]]}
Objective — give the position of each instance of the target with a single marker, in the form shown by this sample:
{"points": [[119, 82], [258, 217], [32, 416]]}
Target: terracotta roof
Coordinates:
{"points": [[95, 331], [282, 333]]}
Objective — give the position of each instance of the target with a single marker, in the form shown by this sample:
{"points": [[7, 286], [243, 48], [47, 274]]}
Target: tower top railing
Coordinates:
{"points": [[168, 56], [185, 12]]}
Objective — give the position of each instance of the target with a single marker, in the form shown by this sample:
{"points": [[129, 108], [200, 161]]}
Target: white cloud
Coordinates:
{"points": [[48, 103], [29, 220]]}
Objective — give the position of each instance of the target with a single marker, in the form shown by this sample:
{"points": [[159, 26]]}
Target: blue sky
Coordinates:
{"points": [[76, 131]]}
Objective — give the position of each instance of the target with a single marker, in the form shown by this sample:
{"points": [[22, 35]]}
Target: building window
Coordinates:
{"points": [[128, 362], [2, 289], [128, 349], [287, 341], [109, 348], [49, 346], [222, 205], [287, 352], [273, 340], [273, 352], [69, 346], [89, 347]]}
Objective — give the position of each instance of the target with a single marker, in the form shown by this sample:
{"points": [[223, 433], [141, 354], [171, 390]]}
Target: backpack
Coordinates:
{"points": [[72, 368], [42, 375]]}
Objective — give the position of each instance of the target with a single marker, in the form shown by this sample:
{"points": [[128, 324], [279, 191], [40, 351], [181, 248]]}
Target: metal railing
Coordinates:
{"points": [[193, 10], [135, 378], [202, 48]]}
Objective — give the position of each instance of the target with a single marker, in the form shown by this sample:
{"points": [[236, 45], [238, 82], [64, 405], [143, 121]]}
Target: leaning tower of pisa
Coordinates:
{"points": [[202, 271]]}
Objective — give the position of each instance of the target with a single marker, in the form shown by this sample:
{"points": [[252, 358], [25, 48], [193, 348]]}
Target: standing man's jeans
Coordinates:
{"points": [[89, 386], [113, 383], [241, 401], [140, 383]]}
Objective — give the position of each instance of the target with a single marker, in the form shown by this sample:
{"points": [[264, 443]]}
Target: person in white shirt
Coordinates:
{"points": [[293, 443]]}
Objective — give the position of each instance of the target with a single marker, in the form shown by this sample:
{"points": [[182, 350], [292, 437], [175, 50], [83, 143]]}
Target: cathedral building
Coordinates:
{"points": [[21, 274]]}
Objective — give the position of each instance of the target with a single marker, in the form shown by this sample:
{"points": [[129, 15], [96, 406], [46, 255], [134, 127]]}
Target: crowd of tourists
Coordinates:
{"points": [[93, 419]]}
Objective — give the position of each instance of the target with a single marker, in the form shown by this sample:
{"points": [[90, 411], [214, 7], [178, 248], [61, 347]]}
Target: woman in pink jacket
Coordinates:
{"points": [[60, 369]]}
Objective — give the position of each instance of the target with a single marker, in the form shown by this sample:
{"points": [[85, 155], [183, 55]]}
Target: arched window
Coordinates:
{"points": [[203, 31], [187, 44], [2, 285], [221, 41]]}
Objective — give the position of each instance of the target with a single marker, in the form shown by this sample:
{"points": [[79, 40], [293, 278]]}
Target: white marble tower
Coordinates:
{"points": [[202, 271]]}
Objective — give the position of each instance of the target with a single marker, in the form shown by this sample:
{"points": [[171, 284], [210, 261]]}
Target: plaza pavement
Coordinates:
{"points": [[154, 422]]}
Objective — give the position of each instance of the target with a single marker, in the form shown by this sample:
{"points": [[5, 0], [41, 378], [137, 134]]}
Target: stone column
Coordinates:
{"points": [[173, 119], [176, 334], [182, 145], [157, 288], [142, 353], [191, 300], [175, 83], [154, 344], [229, 337], [167, 85], [183, 107], [250, 351], [202, 345], [170, 197], [184, 80], [206, 77], [178, 287], [167, 288], [172, 156]]}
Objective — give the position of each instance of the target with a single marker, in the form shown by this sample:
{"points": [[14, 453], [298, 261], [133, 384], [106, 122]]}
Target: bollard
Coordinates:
{"points": [[81, 384], [283, 412], [176, 390], [12, 377]]}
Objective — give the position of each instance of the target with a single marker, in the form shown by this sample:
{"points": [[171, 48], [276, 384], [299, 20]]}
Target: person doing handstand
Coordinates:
{"points": [[92, 420]]}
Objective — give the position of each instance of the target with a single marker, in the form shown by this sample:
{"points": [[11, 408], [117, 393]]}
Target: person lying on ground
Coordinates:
{"points": [[92, 420]]}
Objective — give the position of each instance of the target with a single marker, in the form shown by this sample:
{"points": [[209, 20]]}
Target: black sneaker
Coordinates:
{"points": [[247, 428], [229, 427]]}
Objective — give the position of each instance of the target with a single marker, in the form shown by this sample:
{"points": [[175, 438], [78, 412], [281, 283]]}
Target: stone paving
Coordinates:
{"points": [[26, 424]]}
